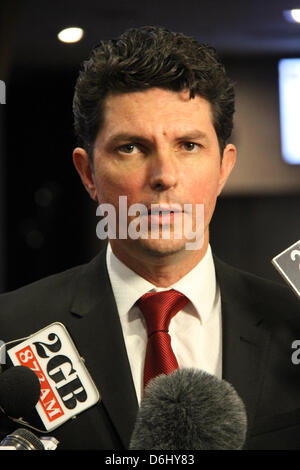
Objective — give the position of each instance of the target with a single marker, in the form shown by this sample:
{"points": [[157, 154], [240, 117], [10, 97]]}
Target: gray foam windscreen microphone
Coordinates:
{"points": [[190, 410]]}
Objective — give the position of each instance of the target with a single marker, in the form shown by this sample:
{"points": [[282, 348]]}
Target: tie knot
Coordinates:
{"points": [[159, 308]]}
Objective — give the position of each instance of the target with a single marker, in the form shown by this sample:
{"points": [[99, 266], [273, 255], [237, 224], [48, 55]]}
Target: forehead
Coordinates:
{"points": [[157, 109]]}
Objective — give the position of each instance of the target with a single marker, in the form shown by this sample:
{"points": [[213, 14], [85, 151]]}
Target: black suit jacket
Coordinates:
{"points": [[260, 320]]}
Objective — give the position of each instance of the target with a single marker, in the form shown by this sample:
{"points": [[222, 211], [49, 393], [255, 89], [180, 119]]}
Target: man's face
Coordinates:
{"points": [[157, 147]]}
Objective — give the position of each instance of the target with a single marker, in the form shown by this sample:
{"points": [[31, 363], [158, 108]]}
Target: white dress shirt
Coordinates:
{"points": [[196, 331]]}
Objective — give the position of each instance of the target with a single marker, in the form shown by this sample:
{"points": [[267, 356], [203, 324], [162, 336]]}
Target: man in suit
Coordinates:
{"points": [[153, 113]]}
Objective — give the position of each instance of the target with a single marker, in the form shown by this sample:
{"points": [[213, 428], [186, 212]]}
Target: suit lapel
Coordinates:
{"points": [[98, 332], [245, 340]]}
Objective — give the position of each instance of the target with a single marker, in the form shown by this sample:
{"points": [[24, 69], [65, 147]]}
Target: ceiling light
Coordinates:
{"points": [[296, 14], [70, 35], [292, 15]]}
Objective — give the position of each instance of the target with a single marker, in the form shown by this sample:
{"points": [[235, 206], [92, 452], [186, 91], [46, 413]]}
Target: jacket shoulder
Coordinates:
{"points": [[47, 286], [41, 302], [273, 299]]}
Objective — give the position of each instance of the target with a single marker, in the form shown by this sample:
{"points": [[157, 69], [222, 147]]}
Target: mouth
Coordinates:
{"points": [[164, 214], [164, 209]]}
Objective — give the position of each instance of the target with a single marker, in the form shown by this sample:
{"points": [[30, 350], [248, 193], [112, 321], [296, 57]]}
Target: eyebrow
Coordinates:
{"points": [[116, 139], [124, 136], [196, 134]]}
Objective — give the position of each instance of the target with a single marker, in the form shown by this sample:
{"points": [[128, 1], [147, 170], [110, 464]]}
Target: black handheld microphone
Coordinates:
{"points": [[19, 391], [190, 410]]}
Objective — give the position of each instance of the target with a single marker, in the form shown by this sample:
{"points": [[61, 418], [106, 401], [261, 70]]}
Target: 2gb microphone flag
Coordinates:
{"points": [[67, 388], [288, 265]]}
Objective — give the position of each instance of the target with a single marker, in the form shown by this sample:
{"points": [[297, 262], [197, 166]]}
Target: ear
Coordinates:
{"points": [[227, 164], [83, 165]]}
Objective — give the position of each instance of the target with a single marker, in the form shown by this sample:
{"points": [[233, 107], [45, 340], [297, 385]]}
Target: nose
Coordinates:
{"points": [[163, 172]]}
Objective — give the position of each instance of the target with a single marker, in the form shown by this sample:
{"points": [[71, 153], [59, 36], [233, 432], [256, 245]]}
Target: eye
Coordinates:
{"points": [[127, 148], [190, 146]]}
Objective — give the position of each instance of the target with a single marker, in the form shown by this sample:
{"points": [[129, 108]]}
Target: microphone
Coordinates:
{"points": [[66, 387], [190, 409], [19, 391], [22, 439], [287, 264]]}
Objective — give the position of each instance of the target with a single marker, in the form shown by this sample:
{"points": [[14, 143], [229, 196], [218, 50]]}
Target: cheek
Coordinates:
{"points": [[203, 190], [110, 186]]}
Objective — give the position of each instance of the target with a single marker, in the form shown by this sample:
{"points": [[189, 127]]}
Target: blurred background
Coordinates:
{"points": [[47, 221]]}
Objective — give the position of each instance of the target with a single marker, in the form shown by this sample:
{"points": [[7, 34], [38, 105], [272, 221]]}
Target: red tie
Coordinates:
{"points": [[158, 309]]}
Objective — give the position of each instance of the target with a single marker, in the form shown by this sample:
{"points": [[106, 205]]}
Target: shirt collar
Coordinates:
{"points": [[199, 285]]}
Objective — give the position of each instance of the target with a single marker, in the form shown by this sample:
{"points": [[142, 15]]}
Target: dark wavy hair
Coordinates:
{"points": [[146, 57]]}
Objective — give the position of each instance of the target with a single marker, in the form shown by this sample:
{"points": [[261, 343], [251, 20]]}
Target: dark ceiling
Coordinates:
{"points": [[30, 27]]}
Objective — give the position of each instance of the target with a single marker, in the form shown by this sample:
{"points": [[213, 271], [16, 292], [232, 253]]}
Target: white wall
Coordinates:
{"points": [[260, 168]]}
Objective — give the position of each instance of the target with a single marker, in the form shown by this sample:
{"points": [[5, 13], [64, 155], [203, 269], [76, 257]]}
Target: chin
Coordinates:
{"points": [[162, 248]]}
